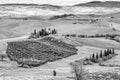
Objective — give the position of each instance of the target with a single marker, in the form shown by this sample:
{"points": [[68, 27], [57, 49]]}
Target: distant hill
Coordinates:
{"points": [[88, 4], [111, 4], [27, 10], [115, 4], [37, 5]]}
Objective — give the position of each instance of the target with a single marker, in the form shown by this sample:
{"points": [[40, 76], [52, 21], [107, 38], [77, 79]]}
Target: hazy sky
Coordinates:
{"points": [[55, 2]]}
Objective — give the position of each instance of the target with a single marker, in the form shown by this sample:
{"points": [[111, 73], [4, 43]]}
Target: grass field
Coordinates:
{"points": [[98, 42], [10, 28]]}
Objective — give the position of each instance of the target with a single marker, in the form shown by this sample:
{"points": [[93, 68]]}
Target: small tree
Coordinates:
{"points": [[93, 56], [110, 51], [54, 73], [101, 54], [49, 29], [113, 51], [79, 70], [105, 53], [97, 56], [40, 34], [54, 31]]}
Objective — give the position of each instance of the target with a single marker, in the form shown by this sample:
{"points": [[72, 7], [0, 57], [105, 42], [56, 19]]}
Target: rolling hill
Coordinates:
{"points": [[110, 4], [27, 10]]}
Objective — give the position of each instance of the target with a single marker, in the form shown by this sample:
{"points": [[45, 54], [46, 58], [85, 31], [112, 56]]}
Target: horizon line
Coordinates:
{"points": [[19, 3]]}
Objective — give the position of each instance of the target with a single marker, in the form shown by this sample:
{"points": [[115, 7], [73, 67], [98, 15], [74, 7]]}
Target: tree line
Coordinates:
{"points": [[111, 36], [42, 32], [103, 55]]}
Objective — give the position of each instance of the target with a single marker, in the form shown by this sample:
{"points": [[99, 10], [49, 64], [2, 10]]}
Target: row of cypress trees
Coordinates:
{"points": [[102, 54]]}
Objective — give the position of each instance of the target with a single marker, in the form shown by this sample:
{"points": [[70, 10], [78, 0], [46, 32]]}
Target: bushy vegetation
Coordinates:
{"points": [[61, 16], [111, 36], [42, 32], [102, 76], [81, 73], [40, 51], [115, 38]]}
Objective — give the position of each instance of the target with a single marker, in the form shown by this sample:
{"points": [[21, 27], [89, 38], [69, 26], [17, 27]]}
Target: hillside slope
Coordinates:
{"points": [[37, 52], [110, 4]]}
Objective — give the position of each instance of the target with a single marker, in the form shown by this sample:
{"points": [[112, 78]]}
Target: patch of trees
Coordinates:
{"points": [[115, 38], [101, 56], [111, 36], [104, 55], [42, 32], [61, 16]]}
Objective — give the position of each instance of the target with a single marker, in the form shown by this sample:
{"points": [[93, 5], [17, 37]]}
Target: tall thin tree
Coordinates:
{"points": [[101, 54]]}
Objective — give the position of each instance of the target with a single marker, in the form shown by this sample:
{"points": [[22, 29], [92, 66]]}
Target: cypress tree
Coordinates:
{"points": [[101, 54], [97, 56], [52, 31], [93, 56], [113, 51], [108, 52], [42, 32], [49, 29], [105, 53], [55, 31]]}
